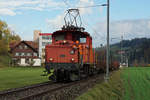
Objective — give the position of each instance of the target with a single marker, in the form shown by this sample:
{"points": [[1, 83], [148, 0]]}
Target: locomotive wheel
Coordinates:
{"points": [[60, 75], [67, 75]]}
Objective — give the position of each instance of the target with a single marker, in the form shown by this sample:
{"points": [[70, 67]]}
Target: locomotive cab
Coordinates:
{"points": [[70, 35]]}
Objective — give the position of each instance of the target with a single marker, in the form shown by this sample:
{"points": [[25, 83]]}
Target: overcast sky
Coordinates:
{"points": [[130, 18]]}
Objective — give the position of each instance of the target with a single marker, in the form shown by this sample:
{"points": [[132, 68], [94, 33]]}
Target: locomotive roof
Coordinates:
{"points": [[72, 31]]}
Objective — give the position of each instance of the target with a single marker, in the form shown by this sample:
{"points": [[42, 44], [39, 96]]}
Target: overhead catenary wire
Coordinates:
{"points": [[101, 35], [66, 3], [96, 34], [93, 6], [89, 6]]}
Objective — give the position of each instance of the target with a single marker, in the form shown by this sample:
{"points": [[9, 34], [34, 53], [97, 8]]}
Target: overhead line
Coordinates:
{"points": [[93, 6], [66, 3], [95, 31]]}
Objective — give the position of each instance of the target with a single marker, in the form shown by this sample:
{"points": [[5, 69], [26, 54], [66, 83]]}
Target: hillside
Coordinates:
{"points": [[136, 51]]}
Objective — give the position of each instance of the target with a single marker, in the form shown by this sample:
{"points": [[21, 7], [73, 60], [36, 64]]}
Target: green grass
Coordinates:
{"points": [[14, 77], [126, 84], [111, 90], [136, 83]]}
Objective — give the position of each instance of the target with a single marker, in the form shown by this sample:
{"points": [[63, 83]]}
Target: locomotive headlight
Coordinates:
{"points": [[65, 41], [72, 59], [51, 59]]}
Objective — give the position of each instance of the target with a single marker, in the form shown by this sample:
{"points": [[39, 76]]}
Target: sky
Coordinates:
{"points": [[130, 18]]}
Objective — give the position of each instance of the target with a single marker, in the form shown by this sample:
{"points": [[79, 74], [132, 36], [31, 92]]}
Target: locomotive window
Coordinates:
{"points": [[82, 40], [60, 37]]}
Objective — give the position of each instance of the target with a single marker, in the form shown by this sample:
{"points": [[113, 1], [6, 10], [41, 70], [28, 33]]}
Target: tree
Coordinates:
{"points": [[6, 37], [14, 38]]}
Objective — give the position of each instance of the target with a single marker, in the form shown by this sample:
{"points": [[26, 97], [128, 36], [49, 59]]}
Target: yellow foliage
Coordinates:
{"points": [[6, 38], [3, 47]]}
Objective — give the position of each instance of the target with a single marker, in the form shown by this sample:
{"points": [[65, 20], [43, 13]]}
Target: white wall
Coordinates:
{"points": [[37, 62]]}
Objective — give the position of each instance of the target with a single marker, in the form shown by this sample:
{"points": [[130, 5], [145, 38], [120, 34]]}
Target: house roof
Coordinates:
{"points": [[32, 44], [12, 45]]}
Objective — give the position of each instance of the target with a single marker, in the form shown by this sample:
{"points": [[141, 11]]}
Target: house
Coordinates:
{"points": [[25, 53]]}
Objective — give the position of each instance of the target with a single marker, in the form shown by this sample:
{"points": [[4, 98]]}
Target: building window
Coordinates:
{"points": [[45, 43], [28, 54], [25, 54], [20, 47], [46, 37], [43, 37], [22, 54], [25, 47], [17, 54], [35, 54]]}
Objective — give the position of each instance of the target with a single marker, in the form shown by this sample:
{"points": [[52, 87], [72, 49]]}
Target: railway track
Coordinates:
{"points": [[17, 93], [51, 91]]}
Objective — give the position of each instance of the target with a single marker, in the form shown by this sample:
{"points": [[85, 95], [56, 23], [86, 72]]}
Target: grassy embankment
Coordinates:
{"points": [[14, 77], [126, 84]]}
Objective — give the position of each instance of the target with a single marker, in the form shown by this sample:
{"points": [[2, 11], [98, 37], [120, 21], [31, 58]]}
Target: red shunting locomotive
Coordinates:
{"points": [[70, 55]]}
